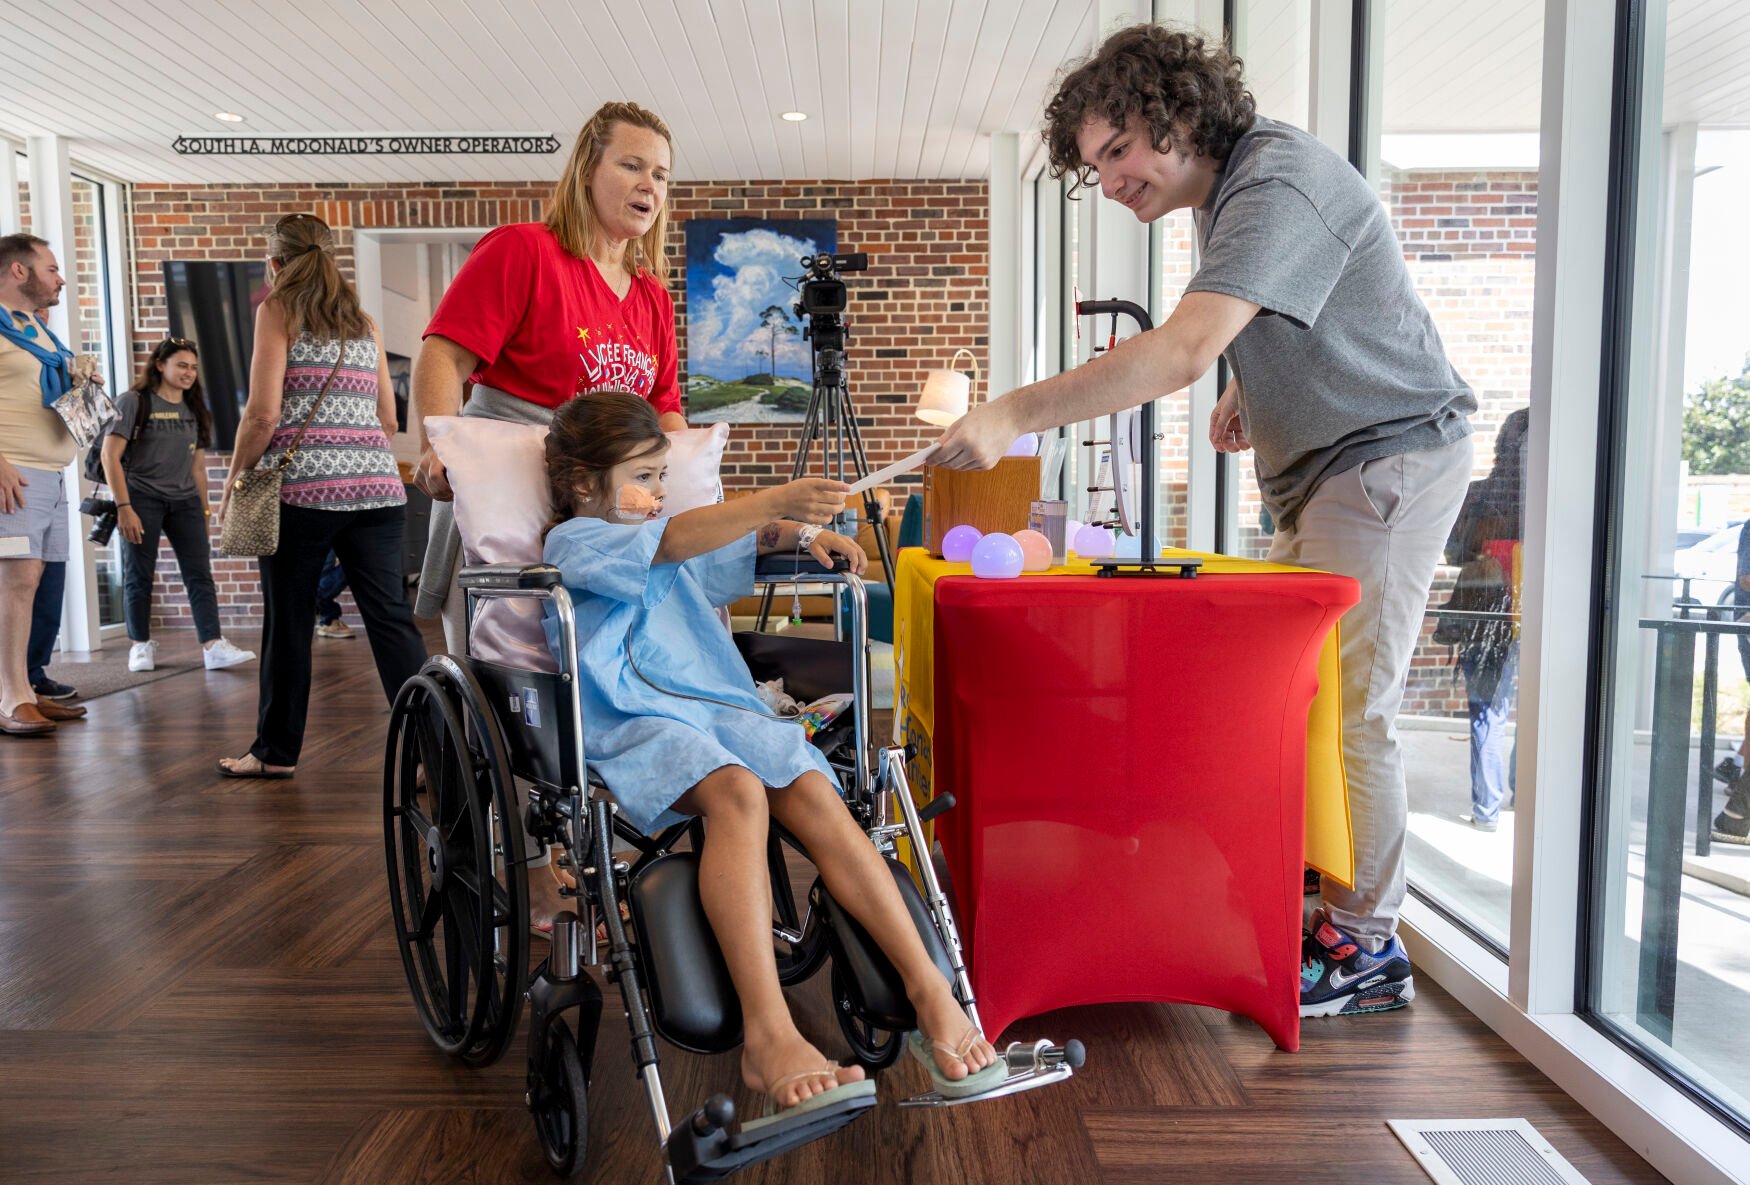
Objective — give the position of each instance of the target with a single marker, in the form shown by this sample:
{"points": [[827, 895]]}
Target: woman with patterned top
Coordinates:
{"points": [[342, 490]]}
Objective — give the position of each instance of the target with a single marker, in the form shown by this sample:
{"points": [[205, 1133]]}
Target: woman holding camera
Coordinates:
{"points": [[155, 462]]}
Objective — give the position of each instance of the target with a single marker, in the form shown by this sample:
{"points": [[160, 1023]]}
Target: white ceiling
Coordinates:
{"points": [[893, 88]]}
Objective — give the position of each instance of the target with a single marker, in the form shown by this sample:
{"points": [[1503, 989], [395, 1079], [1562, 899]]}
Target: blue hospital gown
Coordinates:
{"points": [[648, 746]]}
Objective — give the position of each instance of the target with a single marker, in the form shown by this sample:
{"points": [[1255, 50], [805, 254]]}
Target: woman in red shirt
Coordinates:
{"points": [[543, 312]]}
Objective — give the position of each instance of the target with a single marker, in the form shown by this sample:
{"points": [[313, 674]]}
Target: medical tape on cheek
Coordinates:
{"points": [[635, 504]]}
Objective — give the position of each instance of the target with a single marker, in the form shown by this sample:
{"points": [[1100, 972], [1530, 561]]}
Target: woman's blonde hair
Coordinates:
{"points": [[571, 216], [309, 289]]}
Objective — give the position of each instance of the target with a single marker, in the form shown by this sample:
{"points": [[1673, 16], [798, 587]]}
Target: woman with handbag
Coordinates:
{"points": [[155, 464], [320, 414], [1482, 618]]}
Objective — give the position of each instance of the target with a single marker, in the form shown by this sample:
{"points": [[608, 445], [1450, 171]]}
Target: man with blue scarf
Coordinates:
{"points": [[35, 447]]}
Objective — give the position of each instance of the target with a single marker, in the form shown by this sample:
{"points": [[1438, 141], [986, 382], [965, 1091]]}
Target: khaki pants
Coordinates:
{"points": [[1384, 524]]}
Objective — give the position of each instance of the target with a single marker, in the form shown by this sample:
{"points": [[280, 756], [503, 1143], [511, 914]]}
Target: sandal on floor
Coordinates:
{"points": [[975, 1082], [260, 770], [861, 1089]]}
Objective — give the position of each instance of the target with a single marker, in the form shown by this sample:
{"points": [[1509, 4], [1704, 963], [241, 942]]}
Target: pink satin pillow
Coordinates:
{"points": [[499, 473]]}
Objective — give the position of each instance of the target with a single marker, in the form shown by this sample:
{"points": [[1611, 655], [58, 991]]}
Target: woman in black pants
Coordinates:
{"points": [[318, 370], [155, 463]]}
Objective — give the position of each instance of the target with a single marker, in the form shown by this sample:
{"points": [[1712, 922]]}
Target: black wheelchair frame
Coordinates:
{"points": [[460, 733]]}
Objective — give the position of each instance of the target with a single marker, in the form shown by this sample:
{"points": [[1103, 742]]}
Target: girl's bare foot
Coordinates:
{"points": [[788, 1069]]}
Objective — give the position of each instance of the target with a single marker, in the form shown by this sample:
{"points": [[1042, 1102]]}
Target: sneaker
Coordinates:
{"points": [[222, 654], [1729, 830], [1729, 770], [1735, 827], [1482, 824], [1338, 978], [335, 629], [47, 688], [143, 656]]}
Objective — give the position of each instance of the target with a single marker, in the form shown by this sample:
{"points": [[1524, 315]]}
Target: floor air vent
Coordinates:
{"points": [[1484, 1152]]}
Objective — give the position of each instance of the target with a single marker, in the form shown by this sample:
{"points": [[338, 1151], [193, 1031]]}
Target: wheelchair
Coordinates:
{"points": [[461, 732]]}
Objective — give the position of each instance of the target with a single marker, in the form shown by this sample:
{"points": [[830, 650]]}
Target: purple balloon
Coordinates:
{"points": [[958, 543], [1092, 542], [997, 557]]}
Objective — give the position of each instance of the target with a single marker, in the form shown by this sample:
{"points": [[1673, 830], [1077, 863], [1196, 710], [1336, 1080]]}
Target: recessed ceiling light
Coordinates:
{"points": [[228, 116], [794, 116]]}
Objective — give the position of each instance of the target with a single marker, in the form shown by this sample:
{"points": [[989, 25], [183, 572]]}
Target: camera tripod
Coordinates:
{"points": [[831, 424]]}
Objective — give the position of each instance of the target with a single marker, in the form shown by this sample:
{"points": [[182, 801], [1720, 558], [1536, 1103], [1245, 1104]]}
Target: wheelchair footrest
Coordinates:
{"points": [[1030, 1067], [703, 1149]]}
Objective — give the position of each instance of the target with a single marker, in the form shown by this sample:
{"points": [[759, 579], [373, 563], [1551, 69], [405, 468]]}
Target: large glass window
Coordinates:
{"points": [[1458, 177], [1671, 873], [1274, 38], [89, 322]]}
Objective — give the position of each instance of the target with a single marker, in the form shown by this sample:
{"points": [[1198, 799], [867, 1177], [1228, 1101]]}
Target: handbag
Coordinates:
{"points": [[252, 520]]}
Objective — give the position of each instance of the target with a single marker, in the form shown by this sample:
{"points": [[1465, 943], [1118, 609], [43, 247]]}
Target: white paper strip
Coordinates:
{"points": [[881, 476]]}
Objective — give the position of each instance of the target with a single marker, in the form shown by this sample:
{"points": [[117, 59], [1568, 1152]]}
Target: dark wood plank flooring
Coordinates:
{"points": [[198, 984]]}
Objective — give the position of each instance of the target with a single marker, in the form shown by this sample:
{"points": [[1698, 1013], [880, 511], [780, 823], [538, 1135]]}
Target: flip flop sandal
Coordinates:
{"points": [[861, 1089], [975, 1082], [260, 772]]}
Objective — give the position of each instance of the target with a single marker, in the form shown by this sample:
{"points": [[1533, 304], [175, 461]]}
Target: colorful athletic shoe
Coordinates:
{"points": [[1338, 978]]}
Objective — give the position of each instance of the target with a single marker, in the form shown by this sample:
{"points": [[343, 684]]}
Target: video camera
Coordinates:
{"points": [[823, 293]]}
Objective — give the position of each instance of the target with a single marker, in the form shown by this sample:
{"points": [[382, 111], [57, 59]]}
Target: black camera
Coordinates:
{"points": [[823, 293], [104, 511]]}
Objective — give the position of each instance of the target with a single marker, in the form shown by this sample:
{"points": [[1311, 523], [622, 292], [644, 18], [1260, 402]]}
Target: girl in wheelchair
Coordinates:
{"points": [[675, 729]]}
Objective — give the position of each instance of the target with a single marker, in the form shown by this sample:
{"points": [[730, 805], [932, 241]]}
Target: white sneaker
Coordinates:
{"points": [[142, 656], [222, 654]]}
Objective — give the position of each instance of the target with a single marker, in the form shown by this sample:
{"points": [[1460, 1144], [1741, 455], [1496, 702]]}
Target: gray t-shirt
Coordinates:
{"points": [[161, 461], [1343, 364]]}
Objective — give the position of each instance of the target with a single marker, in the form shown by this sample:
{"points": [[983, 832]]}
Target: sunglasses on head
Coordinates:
{"points": [[172, 344]]}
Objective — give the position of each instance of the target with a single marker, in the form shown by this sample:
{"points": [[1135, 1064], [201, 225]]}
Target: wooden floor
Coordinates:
{"points": [[198, 984]]}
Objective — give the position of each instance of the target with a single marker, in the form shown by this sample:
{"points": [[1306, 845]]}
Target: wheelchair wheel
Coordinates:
{"points": [[872, 1048], [560, 1101], [453, 845]]}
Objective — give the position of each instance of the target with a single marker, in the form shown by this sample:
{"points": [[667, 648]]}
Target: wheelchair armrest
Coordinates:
{"points": [[509, 576], [781, 565]]}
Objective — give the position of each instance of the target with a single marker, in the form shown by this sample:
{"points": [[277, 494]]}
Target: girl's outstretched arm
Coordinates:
{"points": [[811, 500]]}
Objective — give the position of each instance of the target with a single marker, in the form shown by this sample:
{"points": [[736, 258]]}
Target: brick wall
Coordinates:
{"points": [[923, 296]]}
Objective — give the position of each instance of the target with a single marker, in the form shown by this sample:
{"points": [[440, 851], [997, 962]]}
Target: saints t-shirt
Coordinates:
{"points": [[161, 461], [547, 327]]}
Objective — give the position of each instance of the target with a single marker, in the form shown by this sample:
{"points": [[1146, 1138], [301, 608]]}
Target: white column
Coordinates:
{"points": [[1665, 445], [1006, 247], [51, 218], [10, 222], [1561, 476], [1333, 26]]}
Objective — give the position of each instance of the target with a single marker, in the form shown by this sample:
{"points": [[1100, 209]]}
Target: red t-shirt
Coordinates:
{"points": [[548, 328]]}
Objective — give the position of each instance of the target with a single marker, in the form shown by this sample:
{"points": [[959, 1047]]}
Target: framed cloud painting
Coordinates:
{"points": [[747, 360]]}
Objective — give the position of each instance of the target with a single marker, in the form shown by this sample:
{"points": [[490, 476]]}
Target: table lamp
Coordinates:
{"points": [[947, 393]]}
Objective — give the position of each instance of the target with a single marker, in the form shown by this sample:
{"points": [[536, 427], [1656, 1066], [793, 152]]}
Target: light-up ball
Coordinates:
{"points": [[1026, 445], [1035, 551], [958, 543], [1093, 542], [997, 557]]}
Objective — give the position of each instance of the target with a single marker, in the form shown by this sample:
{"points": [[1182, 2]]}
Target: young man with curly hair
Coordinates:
{"points": [[1359, 425]]}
